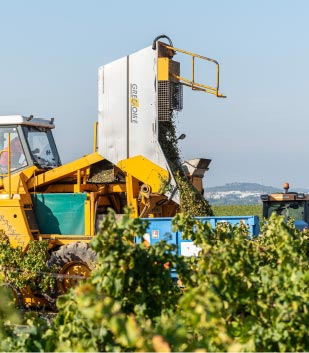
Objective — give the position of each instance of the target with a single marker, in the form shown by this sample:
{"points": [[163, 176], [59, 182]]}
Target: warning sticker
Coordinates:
{"points": [[155, 234]]}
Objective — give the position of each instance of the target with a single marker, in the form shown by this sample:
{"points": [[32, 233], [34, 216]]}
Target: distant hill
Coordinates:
{"points": [[253, 187], [238, 193]]}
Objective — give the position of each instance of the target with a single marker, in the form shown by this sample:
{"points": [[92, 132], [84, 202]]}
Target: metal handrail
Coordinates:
{"points": [[191, 83]]}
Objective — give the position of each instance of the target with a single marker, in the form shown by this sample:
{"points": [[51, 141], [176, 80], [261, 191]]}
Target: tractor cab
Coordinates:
{"points": [[24, 142], [293, 205]]}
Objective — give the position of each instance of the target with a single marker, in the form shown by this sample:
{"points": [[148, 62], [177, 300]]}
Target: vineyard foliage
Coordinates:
{"points": [[238, 210], [21, 269], [239, 294]]}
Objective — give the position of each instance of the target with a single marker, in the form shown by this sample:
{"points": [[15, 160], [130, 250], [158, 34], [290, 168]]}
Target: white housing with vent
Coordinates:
{"points": [[128, 110]]}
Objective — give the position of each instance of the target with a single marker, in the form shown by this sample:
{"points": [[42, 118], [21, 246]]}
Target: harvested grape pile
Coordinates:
{"points": [[101, 172], [191, 200]]}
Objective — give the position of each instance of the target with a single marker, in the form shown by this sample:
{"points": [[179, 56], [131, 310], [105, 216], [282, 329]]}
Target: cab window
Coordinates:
{"points": [[17, 158], [41, 145], [295, 210]]}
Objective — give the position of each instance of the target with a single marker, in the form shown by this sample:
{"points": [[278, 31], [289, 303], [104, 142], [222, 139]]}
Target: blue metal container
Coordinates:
{"points": [[161, 229]]}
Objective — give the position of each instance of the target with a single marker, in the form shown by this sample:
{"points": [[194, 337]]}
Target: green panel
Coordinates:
{"points": [[60, 213]]}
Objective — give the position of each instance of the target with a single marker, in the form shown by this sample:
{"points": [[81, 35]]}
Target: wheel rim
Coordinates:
{"points": [[73, 272]]}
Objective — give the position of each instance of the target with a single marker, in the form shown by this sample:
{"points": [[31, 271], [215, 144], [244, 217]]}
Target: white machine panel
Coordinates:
{"points": [[112, 127], [127, 108], [128, 122], [142, 107]]}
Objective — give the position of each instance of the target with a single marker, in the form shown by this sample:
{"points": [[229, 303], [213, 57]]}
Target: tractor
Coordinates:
{"points": [[292, 205]]}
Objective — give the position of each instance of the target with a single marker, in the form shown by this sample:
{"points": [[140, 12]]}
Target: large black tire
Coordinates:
{"points": [[73, 262]]}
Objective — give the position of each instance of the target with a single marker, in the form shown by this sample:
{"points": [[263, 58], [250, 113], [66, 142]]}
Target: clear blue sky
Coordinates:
{"points": [[51, 51]]}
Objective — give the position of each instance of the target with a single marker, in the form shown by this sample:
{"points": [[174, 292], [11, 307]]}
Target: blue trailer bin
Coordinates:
{"points": [[161, 229], [187, 248], [252, 222]]}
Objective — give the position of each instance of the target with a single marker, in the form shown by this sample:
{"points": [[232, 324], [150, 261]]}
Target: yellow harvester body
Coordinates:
{"points": [[42, 199]]}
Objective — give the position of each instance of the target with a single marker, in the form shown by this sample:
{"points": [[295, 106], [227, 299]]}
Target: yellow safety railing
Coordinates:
{"points": [[191, 83]]}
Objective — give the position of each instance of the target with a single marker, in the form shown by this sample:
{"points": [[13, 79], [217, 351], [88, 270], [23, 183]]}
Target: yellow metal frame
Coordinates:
{"points": [[14, 223], [78, 168], [145, 181], [191, 83], [163, 69], [145, 171], [8, 174], [95, 137]]}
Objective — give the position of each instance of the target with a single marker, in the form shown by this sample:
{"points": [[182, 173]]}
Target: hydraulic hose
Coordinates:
{"points": [[154, 43]]}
